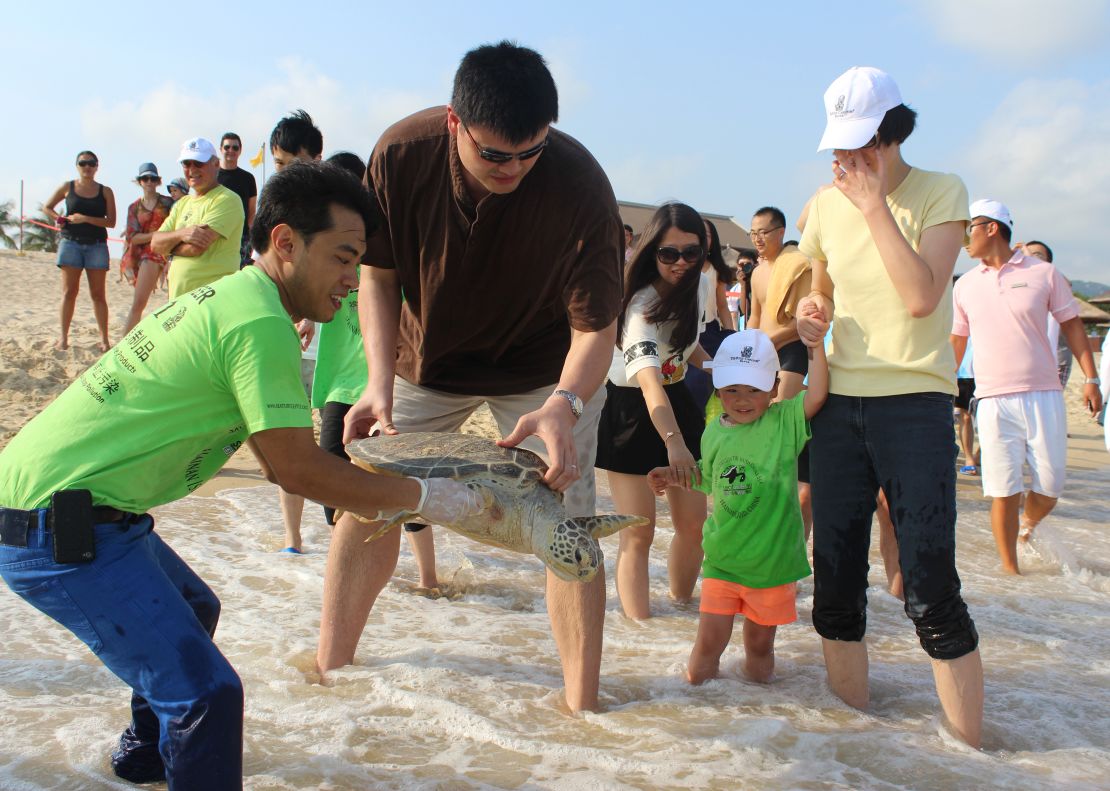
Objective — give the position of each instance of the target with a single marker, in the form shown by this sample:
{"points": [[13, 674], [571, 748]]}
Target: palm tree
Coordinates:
{"points": [[7, 220], [35, 237]]}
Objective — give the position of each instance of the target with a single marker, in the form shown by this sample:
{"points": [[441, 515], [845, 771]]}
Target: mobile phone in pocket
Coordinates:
{"points": [[71, 513]]}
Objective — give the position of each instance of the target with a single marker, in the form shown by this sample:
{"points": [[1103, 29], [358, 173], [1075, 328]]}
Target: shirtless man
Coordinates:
{"points": [[778, 283]]}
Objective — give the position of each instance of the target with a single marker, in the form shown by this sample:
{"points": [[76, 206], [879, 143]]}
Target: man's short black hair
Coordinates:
{"points": [[301, 196], [351, 162], [1047, 249], [628, 228], [506, 89], [296, 133], [1004, 230], [776, 215], [232, 136], [897, 125]]}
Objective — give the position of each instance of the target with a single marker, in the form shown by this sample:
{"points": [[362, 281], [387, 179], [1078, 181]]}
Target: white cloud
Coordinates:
{"points": [[1019, 29], [153, 126], [1045, 153]]}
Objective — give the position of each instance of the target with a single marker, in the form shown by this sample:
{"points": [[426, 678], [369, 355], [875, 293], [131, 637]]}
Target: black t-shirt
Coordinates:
{"points": [[242, 184]]}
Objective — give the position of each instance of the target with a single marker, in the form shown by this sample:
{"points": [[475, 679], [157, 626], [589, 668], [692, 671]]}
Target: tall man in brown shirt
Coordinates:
{"points": [[504, 237]]}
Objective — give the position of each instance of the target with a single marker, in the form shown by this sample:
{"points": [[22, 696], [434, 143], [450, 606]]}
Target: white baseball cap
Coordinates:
{"points": [[993, 210], [855, 104], [197, 150], [748, 358]]}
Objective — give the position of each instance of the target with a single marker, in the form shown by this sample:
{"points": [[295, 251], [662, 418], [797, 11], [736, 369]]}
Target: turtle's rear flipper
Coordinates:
{"points": [[390, 523], [601, 526]]}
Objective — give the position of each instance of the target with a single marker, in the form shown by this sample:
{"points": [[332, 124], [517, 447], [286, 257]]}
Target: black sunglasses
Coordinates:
{"points": [[232, 147], [87, 163], [493, 155], [691, 254], [149, 178]]}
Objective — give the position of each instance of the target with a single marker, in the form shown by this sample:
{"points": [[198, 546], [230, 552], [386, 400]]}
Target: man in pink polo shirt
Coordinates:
{"points": [[1004, 304]]}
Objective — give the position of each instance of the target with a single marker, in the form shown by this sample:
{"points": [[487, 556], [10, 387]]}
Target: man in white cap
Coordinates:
{"points": [[886, 236], [1006, 302], [204, 228]]}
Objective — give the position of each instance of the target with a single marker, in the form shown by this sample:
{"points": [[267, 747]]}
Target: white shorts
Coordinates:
{"points": [[417, 408], [1018, 429]]}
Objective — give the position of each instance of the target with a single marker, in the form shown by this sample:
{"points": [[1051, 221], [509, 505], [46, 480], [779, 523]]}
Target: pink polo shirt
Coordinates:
{"points": [[1006, 311]]}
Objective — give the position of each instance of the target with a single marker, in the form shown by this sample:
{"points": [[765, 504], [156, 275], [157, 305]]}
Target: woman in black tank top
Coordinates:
{"points": [[90, 211]]}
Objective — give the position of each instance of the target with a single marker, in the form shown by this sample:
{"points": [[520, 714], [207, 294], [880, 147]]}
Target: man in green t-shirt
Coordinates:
{"points": [[204, 229], [151, 421]]}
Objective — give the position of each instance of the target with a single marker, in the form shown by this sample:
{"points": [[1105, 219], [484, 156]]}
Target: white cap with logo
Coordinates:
{"points": [[993, 210], [855, 105], [197, 150], [748, 358]]}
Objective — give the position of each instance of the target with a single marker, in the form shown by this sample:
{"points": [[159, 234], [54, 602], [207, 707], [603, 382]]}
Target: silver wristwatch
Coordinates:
{"points": [[574, 401], [1092, 380]]}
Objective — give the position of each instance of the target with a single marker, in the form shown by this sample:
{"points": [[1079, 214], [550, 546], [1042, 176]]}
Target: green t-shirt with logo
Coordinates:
{"points": [[163, 410], [222, 211], [340, 360], [754, 535]]}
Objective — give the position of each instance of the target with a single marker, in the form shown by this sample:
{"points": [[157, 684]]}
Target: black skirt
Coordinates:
{"points": [[626, 438]]}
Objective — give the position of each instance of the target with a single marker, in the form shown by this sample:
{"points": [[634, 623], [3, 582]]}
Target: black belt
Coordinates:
{"points": [[16, 524]]}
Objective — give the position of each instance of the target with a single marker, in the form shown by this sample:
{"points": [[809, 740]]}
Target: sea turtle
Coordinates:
{"points": [[524, 514]]}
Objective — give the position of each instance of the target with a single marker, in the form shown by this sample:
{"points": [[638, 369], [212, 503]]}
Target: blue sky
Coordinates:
{"points": [[717, 104]]}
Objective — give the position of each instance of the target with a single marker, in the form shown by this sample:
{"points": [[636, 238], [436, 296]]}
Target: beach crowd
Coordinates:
{"points": [[479, 259]]}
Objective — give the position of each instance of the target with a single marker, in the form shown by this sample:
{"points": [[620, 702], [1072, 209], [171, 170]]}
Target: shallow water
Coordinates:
{"points": [[465, 692]]}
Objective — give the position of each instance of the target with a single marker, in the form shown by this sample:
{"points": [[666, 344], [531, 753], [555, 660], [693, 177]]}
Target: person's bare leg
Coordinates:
{"points": [[888, 547], [714, 632], [97, 279], [144, 286], [356, 573], [423, 549], [685, 555], [805, 500], [967, 438], [577, 614], [292, 508], [71, 286], [1035, 508], [759, 651], [846, 668], [1004, 525], [960, 689], [631, 495]]}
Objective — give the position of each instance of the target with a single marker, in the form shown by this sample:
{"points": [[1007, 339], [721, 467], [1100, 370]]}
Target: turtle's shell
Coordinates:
{"points": [[444, 455]]}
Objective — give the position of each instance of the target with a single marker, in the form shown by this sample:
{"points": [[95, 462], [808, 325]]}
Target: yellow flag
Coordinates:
{"points": [[257, 160]]}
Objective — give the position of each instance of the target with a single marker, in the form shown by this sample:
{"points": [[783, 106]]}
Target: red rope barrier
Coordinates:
{"points": [[58, 228]]}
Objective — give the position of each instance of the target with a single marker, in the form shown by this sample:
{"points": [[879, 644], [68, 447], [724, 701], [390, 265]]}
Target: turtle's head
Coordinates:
{"points": [[572, 552]]}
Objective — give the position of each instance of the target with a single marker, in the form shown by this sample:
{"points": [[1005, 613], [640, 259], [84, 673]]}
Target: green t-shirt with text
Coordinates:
{"points": [[163, 410], [754, 534], [340, 360]]}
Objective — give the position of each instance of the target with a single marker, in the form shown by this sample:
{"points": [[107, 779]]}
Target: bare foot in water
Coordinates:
{"points": [[61, 345], [104, 345]]}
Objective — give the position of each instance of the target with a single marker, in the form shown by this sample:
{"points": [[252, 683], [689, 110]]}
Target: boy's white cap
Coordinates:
{"points": [[197, 150], [993, 210], [855, 104], [748, 358]]}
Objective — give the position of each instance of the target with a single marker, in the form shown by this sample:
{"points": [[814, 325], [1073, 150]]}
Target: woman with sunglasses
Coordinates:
{"points": [[140, 264], [90, 211], [650, 419]]}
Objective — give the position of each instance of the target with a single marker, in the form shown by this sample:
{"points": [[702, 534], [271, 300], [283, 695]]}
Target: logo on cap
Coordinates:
{"points": [[746, 352], [840, 104]]}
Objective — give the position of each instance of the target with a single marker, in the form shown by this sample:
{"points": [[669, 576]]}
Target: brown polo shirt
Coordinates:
{"points": [[492, 290]]}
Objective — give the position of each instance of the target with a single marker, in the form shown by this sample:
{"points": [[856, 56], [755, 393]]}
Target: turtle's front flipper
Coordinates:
{"points": [[388, 524], [601, 526]]}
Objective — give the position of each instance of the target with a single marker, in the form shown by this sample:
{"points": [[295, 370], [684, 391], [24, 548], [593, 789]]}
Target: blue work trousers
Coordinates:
{"points": [[149, 618]]}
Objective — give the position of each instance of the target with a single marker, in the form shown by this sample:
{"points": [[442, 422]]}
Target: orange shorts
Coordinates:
{"points": [[766, 606]]}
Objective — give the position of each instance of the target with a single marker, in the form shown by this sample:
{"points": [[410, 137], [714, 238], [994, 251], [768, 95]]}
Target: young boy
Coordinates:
{"points": [[754, 546]]}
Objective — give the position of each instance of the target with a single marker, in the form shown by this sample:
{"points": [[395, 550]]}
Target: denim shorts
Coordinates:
{"points": [[83, 255]]}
